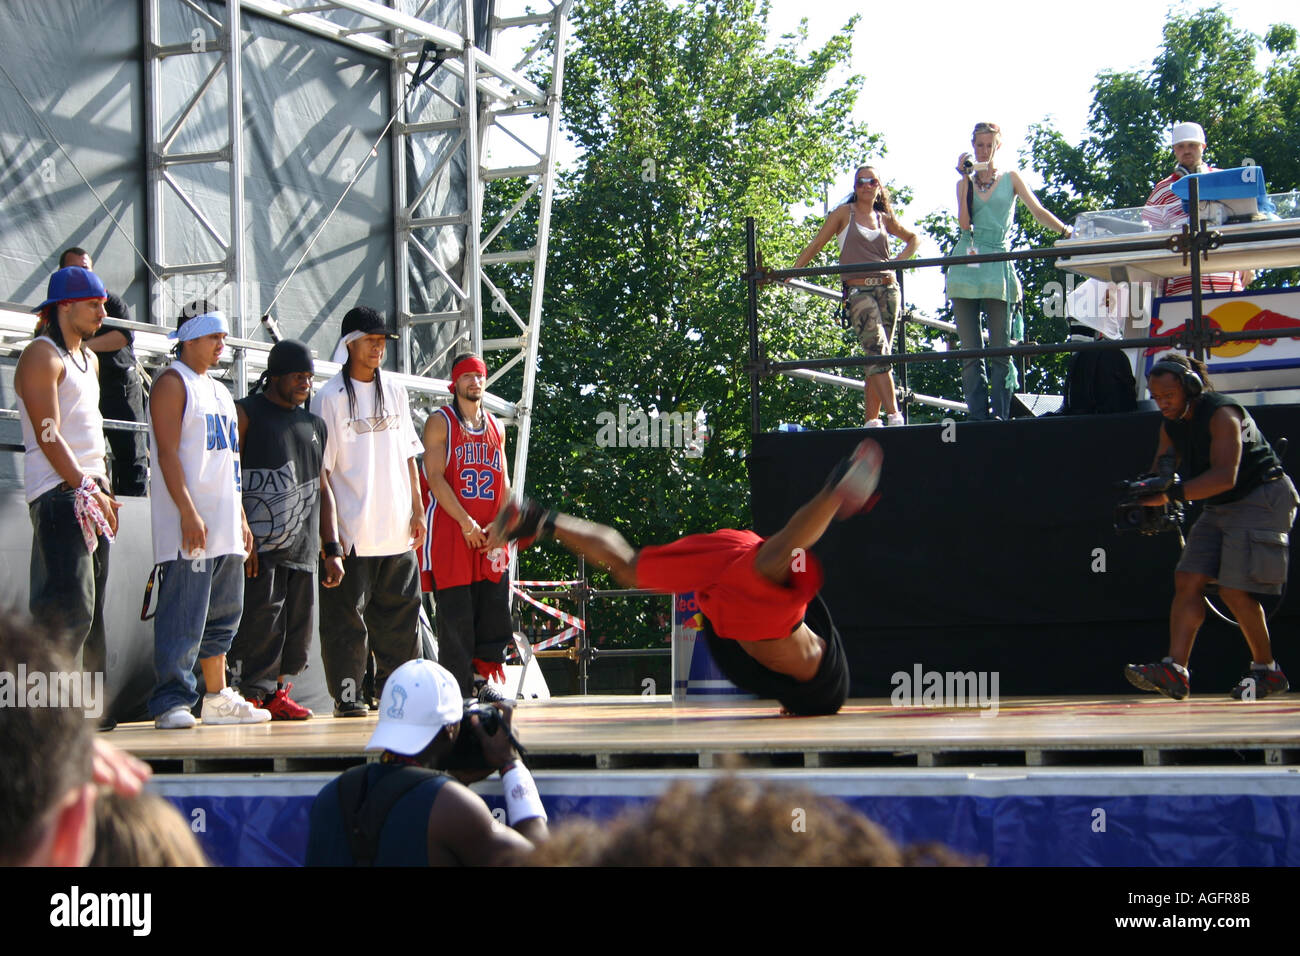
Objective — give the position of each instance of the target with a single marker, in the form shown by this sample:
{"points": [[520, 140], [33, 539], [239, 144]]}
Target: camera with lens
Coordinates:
{"points": [[467, 752], [1132, 516]]}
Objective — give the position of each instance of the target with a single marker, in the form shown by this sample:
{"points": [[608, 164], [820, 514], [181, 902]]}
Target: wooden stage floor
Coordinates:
{"points": [[608, 733]]}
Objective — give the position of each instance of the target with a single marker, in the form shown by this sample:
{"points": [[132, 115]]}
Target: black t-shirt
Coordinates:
{"points": [[280, 461], [113, 366], [1191, 438]]}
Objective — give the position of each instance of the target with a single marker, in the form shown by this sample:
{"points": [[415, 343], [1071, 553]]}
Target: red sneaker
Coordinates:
{"points": [[284, 707]]}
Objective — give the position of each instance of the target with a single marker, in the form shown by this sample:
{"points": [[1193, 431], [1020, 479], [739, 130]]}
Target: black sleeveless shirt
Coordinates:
{"points": [[1191, 438]]}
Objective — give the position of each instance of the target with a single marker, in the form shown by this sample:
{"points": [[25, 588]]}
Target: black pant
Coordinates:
{"points": [[378, 601], [275, 631], [128, 450], [68, 582], [473, 621]]}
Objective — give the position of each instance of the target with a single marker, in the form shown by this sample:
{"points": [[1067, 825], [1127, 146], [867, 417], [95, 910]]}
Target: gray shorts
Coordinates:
{"points": [[873, 312], [1244, 544]]}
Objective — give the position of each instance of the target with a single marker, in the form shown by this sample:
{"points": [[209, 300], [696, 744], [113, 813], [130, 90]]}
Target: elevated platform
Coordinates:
{"points": [[1084, 781], [992, 549], [640, 733]]}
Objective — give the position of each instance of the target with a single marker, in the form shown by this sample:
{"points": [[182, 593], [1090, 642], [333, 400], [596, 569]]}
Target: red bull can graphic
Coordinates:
{"points": [[1268, 364], [696, 676]]}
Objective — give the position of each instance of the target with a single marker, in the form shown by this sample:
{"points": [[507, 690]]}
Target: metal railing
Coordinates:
{"points": [[583, 652], [1196, 336]]}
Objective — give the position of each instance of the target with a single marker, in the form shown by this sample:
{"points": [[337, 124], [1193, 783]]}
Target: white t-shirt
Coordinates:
{"points": [[366, 458], [209, 454]]}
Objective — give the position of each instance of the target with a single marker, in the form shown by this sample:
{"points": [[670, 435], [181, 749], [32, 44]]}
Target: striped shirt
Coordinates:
{"points": [[1164, 210]]}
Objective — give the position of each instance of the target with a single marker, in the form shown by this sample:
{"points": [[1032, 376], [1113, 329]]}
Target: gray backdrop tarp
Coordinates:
{"points": [[312, 109]]}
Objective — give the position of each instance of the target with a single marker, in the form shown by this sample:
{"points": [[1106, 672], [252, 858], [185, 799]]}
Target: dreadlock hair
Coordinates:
{"points": [[372, 314], [192, 310]]}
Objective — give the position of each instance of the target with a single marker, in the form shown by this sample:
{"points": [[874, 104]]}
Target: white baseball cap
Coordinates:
{"points": [[419, 699], [1187, 133]]}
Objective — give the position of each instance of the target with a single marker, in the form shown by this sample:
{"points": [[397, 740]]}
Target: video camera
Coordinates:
{"points": [[1131, 516]]}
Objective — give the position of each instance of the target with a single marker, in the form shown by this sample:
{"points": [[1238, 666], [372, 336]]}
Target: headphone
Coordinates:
{"points": [[1191, 382]]}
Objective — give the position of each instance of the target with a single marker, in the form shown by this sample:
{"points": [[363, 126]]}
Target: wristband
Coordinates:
{"points": [[332, 549], [523, 802]]}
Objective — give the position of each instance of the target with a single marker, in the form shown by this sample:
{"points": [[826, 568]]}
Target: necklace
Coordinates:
{"points": [[985, 187], [80, 368]]}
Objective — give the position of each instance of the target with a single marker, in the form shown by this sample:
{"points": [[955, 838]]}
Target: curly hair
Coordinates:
{"points": [[736, 822], [1190, 364]]}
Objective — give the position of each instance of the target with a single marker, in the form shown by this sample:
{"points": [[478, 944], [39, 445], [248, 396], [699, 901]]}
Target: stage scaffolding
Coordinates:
{"points": [[478, 99]]}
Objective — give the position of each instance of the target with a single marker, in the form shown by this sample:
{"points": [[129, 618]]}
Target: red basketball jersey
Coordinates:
{"points": [[475, 470]]}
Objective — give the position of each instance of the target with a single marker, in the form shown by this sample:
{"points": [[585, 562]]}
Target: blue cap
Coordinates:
{"points": [[71, 283]]}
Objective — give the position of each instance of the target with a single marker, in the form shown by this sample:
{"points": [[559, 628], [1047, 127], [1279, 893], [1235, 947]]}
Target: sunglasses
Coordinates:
{"points": [[868, 181]]}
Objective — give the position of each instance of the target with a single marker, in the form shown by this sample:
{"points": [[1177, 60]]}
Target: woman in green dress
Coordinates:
{"points": [[986, 206]]}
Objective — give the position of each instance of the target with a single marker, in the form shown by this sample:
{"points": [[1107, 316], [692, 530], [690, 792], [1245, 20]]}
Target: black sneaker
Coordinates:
{"points": [[520, 518], [487, 693], [1161, 676], [353, 708], [1260, 683]]}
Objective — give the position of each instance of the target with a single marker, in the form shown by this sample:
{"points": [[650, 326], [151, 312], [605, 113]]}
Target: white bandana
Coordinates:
{"points": [[341, 350], [200, 326]]}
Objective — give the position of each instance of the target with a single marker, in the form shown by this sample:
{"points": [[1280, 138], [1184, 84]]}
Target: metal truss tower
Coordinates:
{"points": [[494, 107]]}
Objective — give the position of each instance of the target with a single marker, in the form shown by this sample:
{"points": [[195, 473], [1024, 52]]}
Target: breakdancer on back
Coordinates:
{"points": [[767, 628]]}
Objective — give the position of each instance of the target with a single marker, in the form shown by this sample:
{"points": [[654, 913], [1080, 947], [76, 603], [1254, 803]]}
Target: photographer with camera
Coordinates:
{"points": [[1241, 538], [374, 815]]}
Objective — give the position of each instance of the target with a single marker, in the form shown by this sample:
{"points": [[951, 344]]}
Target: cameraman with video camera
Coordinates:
{"points": [[405, 810], [1241, 538]]}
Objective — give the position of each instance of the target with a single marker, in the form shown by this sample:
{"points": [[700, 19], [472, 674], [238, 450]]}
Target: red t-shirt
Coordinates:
{"points": [[741, 604]]}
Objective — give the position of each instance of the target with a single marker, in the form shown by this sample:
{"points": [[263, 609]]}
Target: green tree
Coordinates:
{"points": [[1205, 71], [687, 122]]}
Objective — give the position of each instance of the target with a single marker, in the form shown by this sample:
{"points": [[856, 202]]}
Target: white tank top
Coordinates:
{"points": [[80, 424], [209, 453]]}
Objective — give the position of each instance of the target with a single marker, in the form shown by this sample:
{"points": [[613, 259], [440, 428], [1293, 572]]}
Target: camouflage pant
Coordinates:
{"points": [[873, 313]]}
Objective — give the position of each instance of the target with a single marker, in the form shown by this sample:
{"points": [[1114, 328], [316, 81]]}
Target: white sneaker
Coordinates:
{"points": [[178, 718], [228, 707], [874, 423], [855, 478], [897, 419]]}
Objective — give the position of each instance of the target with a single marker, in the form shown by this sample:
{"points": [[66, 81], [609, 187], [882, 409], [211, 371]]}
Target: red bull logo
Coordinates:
{"points": [[1236, 315]]}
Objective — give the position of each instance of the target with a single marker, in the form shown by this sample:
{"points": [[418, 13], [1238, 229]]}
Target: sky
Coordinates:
{"points": [[930, 61]]}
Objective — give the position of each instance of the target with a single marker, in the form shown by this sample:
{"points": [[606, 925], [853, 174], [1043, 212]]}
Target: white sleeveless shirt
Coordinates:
{"points": [[80, 424], [209, 453]]}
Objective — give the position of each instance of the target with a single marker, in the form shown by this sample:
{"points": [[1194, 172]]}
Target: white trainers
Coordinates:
{"points": [[896, 419], [228, 707], [178, 718], [874, 423], [855, 478]]}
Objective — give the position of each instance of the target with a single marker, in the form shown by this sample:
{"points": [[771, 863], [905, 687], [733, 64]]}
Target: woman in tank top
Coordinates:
{"points": [[864, 223], [986, 208]]}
